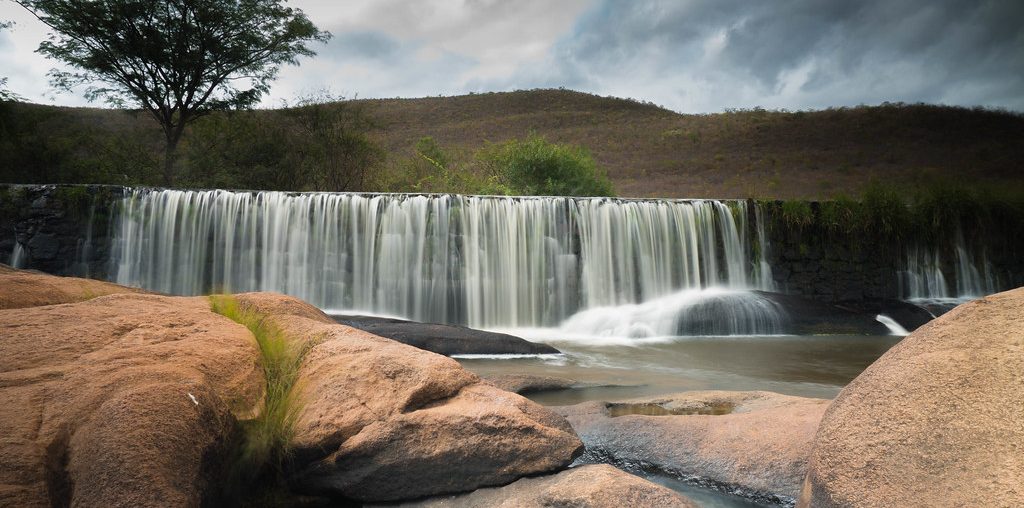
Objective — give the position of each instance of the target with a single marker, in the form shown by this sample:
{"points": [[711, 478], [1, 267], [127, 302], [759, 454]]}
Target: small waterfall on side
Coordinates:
{"points": [[927, 279], [17, 256], [481, 261], [922, 277], [894, 327]]}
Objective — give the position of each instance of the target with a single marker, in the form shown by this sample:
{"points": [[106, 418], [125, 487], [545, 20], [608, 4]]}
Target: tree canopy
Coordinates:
{"points": [[176, 59]]}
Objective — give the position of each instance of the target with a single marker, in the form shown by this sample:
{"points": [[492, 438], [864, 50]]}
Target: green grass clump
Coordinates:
{"points": [[797, 214], [257, 463]]}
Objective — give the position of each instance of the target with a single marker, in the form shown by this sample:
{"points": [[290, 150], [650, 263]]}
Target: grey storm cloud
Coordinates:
{"points": [[691, 56], [800, 53]]}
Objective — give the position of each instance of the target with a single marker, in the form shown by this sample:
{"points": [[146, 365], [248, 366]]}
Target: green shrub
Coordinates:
{"points": [[537, 167], [797, 214]]}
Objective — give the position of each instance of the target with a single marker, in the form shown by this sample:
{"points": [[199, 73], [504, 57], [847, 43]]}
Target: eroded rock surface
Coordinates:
{"points": [[936, 421], [122, 400], [384, 421], [526, 383], [21, 288], [758, 441], [592, 486]]}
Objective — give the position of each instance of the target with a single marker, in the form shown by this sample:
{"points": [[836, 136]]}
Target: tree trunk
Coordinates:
{"points": [[170, 158]]}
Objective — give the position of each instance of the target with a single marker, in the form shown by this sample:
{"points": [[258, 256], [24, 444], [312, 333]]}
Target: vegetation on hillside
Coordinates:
{"points": [[438, 145]]}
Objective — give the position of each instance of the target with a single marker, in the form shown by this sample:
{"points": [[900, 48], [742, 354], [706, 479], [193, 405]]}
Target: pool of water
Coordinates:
{"points": [[808, 366], [617, 368]]}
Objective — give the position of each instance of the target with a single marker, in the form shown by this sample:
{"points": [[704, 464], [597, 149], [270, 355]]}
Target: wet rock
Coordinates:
{"points": [[593, 486], [754, 442], [383, 421], [936, 421], [122, 400], [806, 316], [446, 339], [526, 383]]}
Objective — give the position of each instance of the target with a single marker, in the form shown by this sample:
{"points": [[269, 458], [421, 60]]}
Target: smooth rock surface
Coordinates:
{"points": [[758, 441], [122, 400], [526, 383], [21, 288], [446, 339], [936, 421], [383, 421], [591, 486]]}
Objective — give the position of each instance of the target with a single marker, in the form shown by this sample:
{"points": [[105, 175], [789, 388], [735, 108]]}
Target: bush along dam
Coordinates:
{"points": [[600, 266]]}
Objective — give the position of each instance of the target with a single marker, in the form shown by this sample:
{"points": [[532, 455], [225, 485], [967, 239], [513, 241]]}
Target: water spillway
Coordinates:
{"points": [[481, 261]]}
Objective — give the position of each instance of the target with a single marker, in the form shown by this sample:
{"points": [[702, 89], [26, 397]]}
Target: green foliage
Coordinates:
{"points": [[838, 214], [317, 146], [432, 169], [797, 214], [5, 94], [884, 211], [263, 445], [537, 167], [176, 59]]}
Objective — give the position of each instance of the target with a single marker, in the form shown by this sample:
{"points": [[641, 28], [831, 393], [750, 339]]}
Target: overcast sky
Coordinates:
{"points": [[690, 56]]}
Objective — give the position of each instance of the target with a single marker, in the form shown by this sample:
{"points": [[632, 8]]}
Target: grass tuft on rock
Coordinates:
{"points": [[255, 467]]}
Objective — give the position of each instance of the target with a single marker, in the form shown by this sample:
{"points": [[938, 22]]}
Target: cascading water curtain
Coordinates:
{"points": [[482, 261]]}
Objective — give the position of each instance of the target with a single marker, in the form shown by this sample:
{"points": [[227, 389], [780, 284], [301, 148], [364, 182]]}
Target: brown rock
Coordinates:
{"points": [[758, 441], [526, 383], [23, 288], [98, 398], [593, 486], [936, 421], [384, 421]]}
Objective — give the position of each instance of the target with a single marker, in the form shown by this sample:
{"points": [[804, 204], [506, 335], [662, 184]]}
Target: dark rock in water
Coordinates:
{"points": [[446, 339], [909, 315], [812, 317]]}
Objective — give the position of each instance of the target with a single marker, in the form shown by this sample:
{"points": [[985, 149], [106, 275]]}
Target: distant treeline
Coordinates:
{"points": [[529, 142], [315, 146]]}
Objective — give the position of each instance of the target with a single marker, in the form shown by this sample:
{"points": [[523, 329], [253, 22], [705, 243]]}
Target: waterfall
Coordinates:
{"points": [[17, 256], [925, 277], [894, 327], [481, 261]]}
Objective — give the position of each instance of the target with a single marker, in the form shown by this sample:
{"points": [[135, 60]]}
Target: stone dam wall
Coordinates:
{"points": [[66, 230]]}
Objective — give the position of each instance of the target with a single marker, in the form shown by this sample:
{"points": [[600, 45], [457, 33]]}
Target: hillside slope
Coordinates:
{"points": [[647, 151], [653, 152]]}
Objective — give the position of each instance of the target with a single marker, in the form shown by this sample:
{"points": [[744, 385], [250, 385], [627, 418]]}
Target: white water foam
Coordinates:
{"points": [[894, 327]]}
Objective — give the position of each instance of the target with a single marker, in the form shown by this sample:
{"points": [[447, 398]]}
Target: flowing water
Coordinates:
{"points": [[481, 261]]}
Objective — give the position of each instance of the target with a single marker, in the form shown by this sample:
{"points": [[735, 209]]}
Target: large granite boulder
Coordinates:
{"points": [[592, 486], [936, 421], [383, 421], [122, 400], [21, 288], [754, 443]]}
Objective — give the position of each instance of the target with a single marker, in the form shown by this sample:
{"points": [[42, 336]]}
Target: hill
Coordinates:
{"points": [[646, 150]]}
